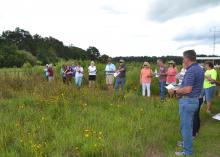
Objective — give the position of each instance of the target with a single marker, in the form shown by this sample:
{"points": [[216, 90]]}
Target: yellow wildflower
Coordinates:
{"points": [[86, 135]]}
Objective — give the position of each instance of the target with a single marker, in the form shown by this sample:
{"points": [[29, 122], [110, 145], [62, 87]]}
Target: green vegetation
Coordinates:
{"points": [[19, 47], [41, 119]]}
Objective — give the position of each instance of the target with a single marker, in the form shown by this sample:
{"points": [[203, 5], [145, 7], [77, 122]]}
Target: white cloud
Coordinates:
{"points": [[115, 27], [161, 10]]}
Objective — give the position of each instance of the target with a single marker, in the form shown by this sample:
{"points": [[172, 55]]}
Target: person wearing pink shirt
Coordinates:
{"points": [[145, 78], [171, 73]]}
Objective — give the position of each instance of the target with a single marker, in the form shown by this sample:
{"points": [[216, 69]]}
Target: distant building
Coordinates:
{"points": [[216, 60]]}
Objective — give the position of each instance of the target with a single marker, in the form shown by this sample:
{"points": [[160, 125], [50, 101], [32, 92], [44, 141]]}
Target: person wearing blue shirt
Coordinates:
{"points": [[110, 70], [189, 93]]}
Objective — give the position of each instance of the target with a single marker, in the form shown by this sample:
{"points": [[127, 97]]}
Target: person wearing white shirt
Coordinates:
{"points": [[180, 75], [79, 74], [110, 70], [46, 71], [92, 74]]}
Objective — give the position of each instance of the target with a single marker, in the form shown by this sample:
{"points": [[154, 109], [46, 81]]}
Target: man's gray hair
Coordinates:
{"points": [[190, 54]]}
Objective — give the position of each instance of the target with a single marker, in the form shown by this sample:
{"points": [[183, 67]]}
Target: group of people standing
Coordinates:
{"points": [[115, 78], [192, 84], [76, 72], [166, 76], [171, 75], [196, 82]]}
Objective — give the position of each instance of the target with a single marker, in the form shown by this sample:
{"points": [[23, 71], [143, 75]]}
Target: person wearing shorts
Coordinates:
{"points": [[109, 80], [110, 70], [209, 86], [92, 74]]}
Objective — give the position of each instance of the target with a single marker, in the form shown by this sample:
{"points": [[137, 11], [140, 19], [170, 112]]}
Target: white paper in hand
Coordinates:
{"points": [[170, 87], [217, 117], [116, 74]]}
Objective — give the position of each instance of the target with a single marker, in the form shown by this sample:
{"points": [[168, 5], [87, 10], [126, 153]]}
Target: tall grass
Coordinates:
{"points": [[41, 119]]}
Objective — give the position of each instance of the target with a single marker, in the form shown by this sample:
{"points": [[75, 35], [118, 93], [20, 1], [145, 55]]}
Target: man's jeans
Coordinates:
{"points": [[187, 109], [119, 81], [162, 90]]}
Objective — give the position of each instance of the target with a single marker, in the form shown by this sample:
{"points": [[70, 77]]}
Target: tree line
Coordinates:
{"points": [[153, 59], [19, 46]]}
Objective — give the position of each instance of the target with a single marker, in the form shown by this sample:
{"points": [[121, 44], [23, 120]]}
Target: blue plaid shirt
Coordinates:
{"points": [[194, 77]]}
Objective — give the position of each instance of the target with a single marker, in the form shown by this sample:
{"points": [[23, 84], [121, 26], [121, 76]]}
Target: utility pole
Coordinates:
{"points": [[214, 30]]}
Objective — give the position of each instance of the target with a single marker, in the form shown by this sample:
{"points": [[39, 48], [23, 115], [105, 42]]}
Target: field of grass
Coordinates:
{"points": [[41, 119]]}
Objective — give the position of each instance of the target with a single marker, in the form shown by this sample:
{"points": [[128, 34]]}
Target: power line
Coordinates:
{"points": [[214, 30]]}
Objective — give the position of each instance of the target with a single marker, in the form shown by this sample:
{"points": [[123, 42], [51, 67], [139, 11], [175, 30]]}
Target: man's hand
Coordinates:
{"points": [[174, 91], [171, 91], [211, 80], [178, 92]]}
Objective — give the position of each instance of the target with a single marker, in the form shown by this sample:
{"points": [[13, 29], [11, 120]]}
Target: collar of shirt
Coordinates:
{"points": [[193, 64]]}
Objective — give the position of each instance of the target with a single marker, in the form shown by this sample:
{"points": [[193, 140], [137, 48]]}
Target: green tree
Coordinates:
{"points": [[21, 38], [28, 57], [103, 58], [93, 53]]}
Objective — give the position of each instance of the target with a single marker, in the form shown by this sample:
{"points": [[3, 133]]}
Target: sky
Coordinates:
{"points": [[120, 27]]}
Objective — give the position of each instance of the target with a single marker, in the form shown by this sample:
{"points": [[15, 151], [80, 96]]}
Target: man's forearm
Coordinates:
{"points": [[184, 90], [121, 70], [217, 83]]}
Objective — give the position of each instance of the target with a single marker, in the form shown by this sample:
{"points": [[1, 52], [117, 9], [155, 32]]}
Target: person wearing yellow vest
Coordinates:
{"points": [[209, 86]]}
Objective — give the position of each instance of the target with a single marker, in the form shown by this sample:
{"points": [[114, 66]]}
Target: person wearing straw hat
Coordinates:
{"points": [[171, 75], [120, 76], [145, 78], [92, 74]]}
